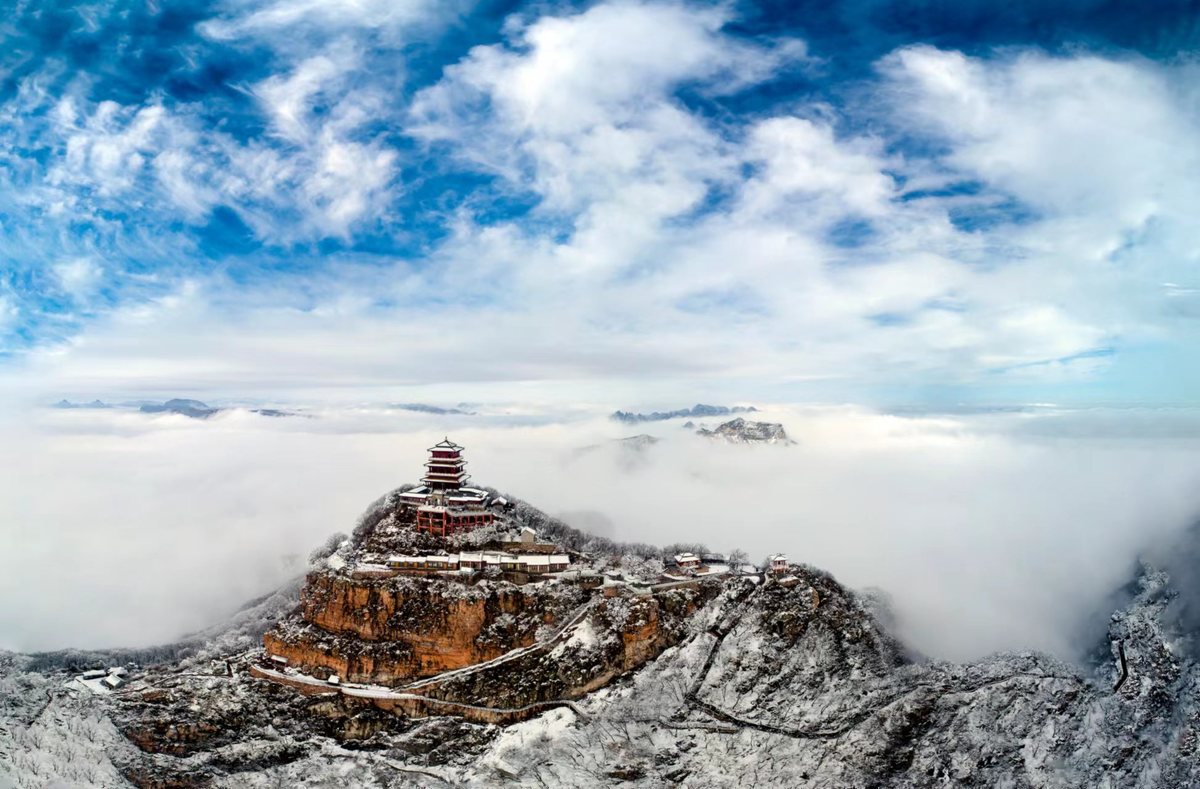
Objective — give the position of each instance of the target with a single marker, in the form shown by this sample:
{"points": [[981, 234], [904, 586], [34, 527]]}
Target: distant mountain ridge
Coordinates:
{"points": [[425, 408], [94, 404], [700, 410], [194, 409], [184, 407]]}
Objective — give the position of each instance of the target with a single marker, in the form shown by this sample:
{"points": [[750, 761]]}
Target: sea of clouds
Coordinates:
{"points": [[989, 531]]}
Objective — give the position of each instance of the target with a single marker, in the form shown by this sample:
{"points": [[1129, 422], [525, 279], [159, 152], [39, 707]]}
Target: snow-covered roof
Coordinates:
{"points": [[445, 443], [491, 558]]}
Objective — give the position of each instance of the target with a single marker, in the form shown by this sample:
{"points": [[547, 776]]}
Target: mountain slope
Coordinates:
{"points": [[787, 680]]}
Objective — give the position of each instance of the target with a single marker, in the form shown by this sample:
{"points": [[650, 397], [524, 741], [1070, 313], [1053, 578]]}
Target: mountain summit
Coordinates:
{"points": [[743, 431], [463, 637]]}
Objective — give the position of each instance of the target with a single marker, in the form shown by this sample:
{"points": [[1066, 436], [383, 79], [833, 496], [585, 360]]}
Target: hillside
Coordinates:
{"points": [[729, 680]]}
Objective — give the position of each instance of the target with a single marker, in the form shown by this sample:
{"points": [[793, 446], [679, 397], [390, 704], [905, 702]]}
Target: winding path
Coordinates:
{"points": [[575, 619], [831, 729]]}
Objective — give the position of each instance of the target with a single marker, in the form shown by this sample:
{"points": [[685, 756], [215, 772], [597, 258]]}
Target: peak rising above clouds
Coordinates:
{"points": [[989, 531]]}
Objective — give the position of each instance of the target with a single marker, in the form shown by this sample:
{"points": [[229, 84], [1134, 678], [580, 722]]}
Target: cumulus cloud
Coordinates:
{"points": [[583, 107]]}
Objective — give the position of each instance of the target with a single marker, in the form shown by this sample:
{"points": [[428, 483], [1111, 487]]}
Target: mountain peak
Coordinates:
{"points": [[744, 431]]}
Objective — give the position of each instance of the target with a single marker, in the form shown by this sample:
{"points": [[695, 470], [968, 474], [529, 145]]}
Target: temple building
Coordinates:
{"points": [[444, 504], [446, 467]]}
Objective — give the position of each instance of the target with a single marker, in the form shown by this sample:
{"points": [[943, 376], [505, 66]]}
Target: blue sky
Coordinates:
{"points": [[879, 201]]}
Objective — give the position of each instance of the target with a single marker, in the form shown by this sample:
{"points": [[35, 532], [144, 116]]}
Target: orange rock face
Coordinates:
{"points": [[642, 640], [394, 630]]}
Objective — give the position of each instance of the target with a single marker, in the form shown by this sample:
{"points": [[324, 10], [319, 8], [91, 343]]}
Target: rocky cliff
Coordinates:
{"points": [[617, 635], [401, 629]]}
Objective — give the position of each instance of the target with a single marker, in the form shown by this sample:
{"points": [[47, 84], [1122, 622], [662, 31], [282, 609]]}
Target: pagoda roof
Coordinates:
{"points": [[445, 443]]}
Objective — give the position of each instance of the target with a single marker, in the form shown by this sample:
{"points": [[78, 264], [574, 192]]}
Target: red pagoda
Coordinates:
{"points": [[446, 467], [447, 505]]}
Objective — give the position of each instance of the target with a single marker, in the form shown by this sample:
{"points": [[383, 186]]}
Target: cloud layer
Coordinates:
{"points": [[989, 532]]}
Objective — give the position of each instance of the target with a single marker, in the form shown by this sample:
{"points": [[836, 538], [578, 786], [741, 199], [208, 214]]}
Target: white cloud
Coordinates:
{"points": [[323, 181], [806, 169], [79, 277], [584, 105], [1076, 135], [109, 148], [1098, 149], [9, 313], [277, 19], [595, 130], [781, 245]]}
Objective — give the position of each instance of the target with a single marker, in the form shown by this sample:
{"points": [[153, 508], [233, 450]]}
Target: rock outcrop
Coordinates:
{"points": [[742, 431], [400, 629]]}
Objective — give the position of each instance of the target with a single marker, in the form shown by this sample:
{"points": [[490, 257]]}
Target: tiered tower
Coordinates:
{"points": [[446, 467]]}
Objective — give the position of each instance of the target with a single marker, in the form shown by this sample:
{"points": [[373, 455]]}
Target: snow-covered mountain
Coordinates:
{"points": [[743, 431], [785, 679]]}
